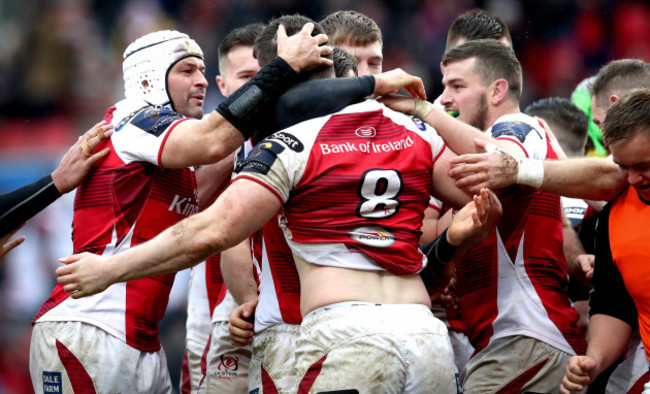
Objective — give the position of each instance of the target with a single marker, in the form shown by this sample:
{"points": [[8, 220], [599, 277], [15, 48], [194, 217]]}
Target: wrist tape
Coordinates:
{"points": [[243, 107], [531, 172], [422, 108]]}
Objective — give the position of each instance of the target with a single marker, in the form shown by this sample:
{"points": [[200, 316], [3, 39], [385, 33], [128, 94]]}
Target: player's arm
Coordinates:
{"points": [[572, 249], [430, 225], [196, 142], [19, 205], [324, 96], [443, 186], [213, 179], [238, 272], [458, 135], [470, 226], [240, 211], [586, 178], [612, 310], [604, 348]]}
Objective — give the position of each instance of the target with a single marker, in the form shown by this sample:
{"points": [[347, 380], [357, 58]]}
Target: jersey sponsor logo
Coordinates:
{"points": [[372, 236], [261, 158], [183, 206], [367, 147], [52, 382], [578, 211], [366, 132], [155, 120], [289, 140], [518, 130], [418, 123]]}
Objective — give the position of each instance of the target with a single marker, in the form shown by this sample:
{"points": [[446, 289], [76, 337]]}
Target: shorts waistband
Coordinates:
{"points": [[343, 304]]}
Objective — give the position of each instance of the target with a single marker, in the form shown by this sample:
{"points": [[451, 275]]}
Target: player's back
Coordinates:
{"points": [[364, 188]]}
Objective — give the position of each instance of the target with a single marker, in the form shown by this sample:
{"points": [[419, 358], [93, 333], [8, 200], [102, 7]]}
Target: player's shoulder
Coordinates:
{"points": [[517, 125], [133, 113]]}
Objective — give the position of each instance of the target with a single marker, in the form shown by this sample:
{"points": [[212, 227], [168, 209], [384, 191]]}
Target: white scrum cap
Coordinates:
{"points": [[149, 59]]}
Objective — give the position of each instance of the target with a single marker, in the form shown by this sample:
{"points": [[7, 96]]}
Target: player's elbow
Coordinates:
{"points": [[208, 243]]}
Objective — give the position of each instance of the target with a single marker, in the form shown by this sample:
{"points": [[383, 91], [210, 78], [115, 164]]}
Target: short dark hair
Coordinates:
{"points": [[351, 27], [619, 77], [627, 116], [266, 45], [241, 36], [477, 24], [344, 62], [494, 61], [567, 121]]}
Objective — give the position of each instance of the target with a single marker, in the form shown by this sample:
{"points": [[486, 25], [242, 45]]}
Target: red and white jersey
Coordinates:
{"points": [[436, 204], [514, 283], [124, 201], [279, 289], [279, 284], [354, 186]]}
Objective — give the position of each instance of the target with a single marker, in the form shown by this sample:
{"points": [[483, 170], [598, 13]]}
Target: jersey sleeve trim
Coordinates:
{"points": [[516, 142], [444, 146], [171, 128], [256, 180]]}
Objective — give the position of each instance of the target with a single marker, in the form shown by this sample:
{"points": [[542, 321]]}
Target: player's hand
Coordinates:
{"points": [[241, 328], [493, 170], [91, 138], [77, 161], [83, 275], [476, 219], [391, 81], [579, 372], [6, 245], [302, 51], [449, 298]]}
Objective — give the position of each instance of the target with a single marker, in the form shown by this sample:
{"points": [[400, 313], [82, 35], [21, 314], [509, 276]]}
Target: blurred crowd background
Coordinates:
{"points": [[60, 68]]}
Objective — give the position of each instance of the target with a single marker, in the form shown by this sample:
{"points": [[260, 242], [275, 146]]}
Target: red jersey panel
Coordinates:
{"points": [[126, 200], [514, 283], [355, 186]]}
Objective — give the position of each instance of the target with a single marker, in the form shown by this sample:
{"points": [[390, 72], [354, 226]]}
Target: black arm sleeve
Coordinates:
{"points": [[439, 252], [320, 97], [19, 205], [245, 108], [609, 296]]}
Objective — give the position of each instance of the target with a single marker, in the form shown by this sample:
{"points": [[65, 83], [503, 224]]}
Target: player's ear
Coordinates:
{"points": [[222, 86], [498, 91]]}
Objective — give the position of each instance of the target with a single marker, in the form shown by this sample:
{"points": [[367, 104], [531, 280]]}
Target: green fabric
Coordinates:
{"points": [[582, 100]]}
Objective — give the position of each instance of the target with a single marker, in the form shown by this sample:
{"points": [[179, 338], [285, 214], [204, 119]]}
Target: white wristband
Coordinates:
{"points": [[531, 172]]}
